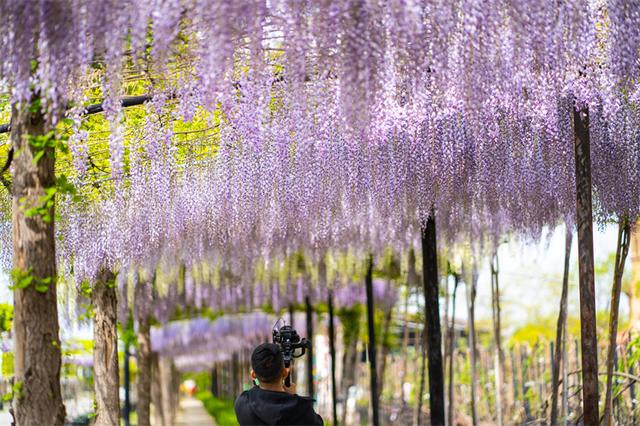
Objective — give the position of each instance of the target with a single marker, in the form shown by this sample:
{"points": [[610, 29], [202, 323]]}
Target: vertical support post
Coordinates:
{"points": [[332, 349], [214, 381], [497, 332], [235, 383], [473, 351], [624, 240], [565, 375], [450, 341], [584, 221], [127, 386], [432, 320], [373, 367], [291, 315], [560, 332], [632, 395], [309, 317]]}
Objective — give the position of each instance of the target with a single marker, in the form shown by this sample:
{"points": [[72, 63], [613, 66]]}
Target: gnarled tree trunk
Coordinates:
{"points": [[105, 352], [143, 384], [156, 391], [350, 320], [37, 344], [167, 382]]}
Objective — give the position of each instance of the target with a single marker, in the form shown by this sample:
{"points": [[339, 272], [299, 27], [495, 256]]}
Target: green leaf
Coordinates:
{"points": [[38, 156], [42, 288]]}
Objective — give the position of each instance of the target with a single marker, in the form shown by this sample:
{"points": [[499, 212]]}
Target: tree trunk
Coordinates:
{"points": [[621, 256], [156, 391], [35, 324], [584, 220], [560, 330], [450, 341], [309, 363], [350, 358], [166, 386], [471, 303], [432, 321], [143, 381], [105, 352], [497, 334]]}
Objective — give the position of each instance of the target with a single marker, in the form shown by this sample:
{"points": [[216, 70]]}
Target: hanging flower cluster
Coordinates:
{"points": [[464, 56], [340, 124], [296, 181], [205, 288], [198, 343]]}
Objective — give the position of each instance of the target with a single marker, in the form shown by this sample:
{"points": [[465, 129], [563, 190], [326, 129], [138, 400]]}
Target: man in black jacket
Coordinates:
{"points": [[271, 402]]}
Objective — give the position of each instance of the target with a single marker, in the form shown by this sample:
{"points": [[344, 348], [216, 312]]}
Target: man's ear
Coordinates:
{"points": [[253, 375], [285, 372]]}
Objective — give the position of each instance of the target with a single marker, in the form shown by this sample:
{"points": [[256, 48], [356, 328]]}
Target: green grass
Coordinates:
{"points": [[220, 409]]}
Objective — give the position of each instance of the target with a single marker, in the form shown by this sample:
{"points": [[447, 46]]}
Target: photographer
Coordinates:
{"points": [[270, 402]]}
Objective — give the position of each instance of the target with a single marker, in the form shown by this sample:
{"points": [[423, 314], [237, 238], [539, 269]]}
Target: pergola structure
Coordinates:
{"points": [[322, 127]]}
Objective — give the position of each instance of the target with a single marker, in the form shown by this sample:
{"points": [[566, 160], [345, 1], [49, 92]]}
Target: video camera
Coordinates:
{"points": [[287, 338]]}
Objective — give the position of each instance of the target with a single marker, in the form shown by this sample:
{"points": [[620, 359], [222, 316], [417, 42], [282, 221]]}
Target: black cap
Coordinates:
{"points": [[267, 362]]}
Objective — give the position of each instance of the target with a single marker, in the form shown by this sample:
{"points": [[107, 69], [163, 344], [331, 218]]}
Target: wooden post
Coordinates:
{"points": [[105, 351], [405, 347], [560, 330], [35, 324], [497, 333], [514, 379], [432, 320], [471, 301], [309, 321], [423, 368], [372, 344], [584, 221], [126, 412], [332, 350], [214, 381], [622, 251], [565, 374], [451, 348], [291, 315], [632, 394]]}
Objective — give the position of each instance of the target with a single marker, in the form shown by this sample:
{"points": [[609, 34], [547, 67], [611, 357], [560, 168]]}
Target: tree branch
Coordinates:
{"points": [[125, 102], [128, 101]]}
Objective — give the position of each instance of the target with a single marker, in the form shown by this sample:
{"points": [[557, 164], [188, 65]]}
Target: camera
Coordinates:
{"points": [[290, 342]]}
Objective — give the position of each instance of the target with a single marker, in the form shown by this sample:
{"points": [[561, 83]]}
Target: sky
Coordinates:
{"points": [[530, 278]]}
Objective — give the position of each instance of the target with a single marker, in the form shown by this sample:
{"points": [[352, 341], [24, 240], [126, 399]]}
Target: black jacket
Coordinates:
{"points": [[262, 407]]}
